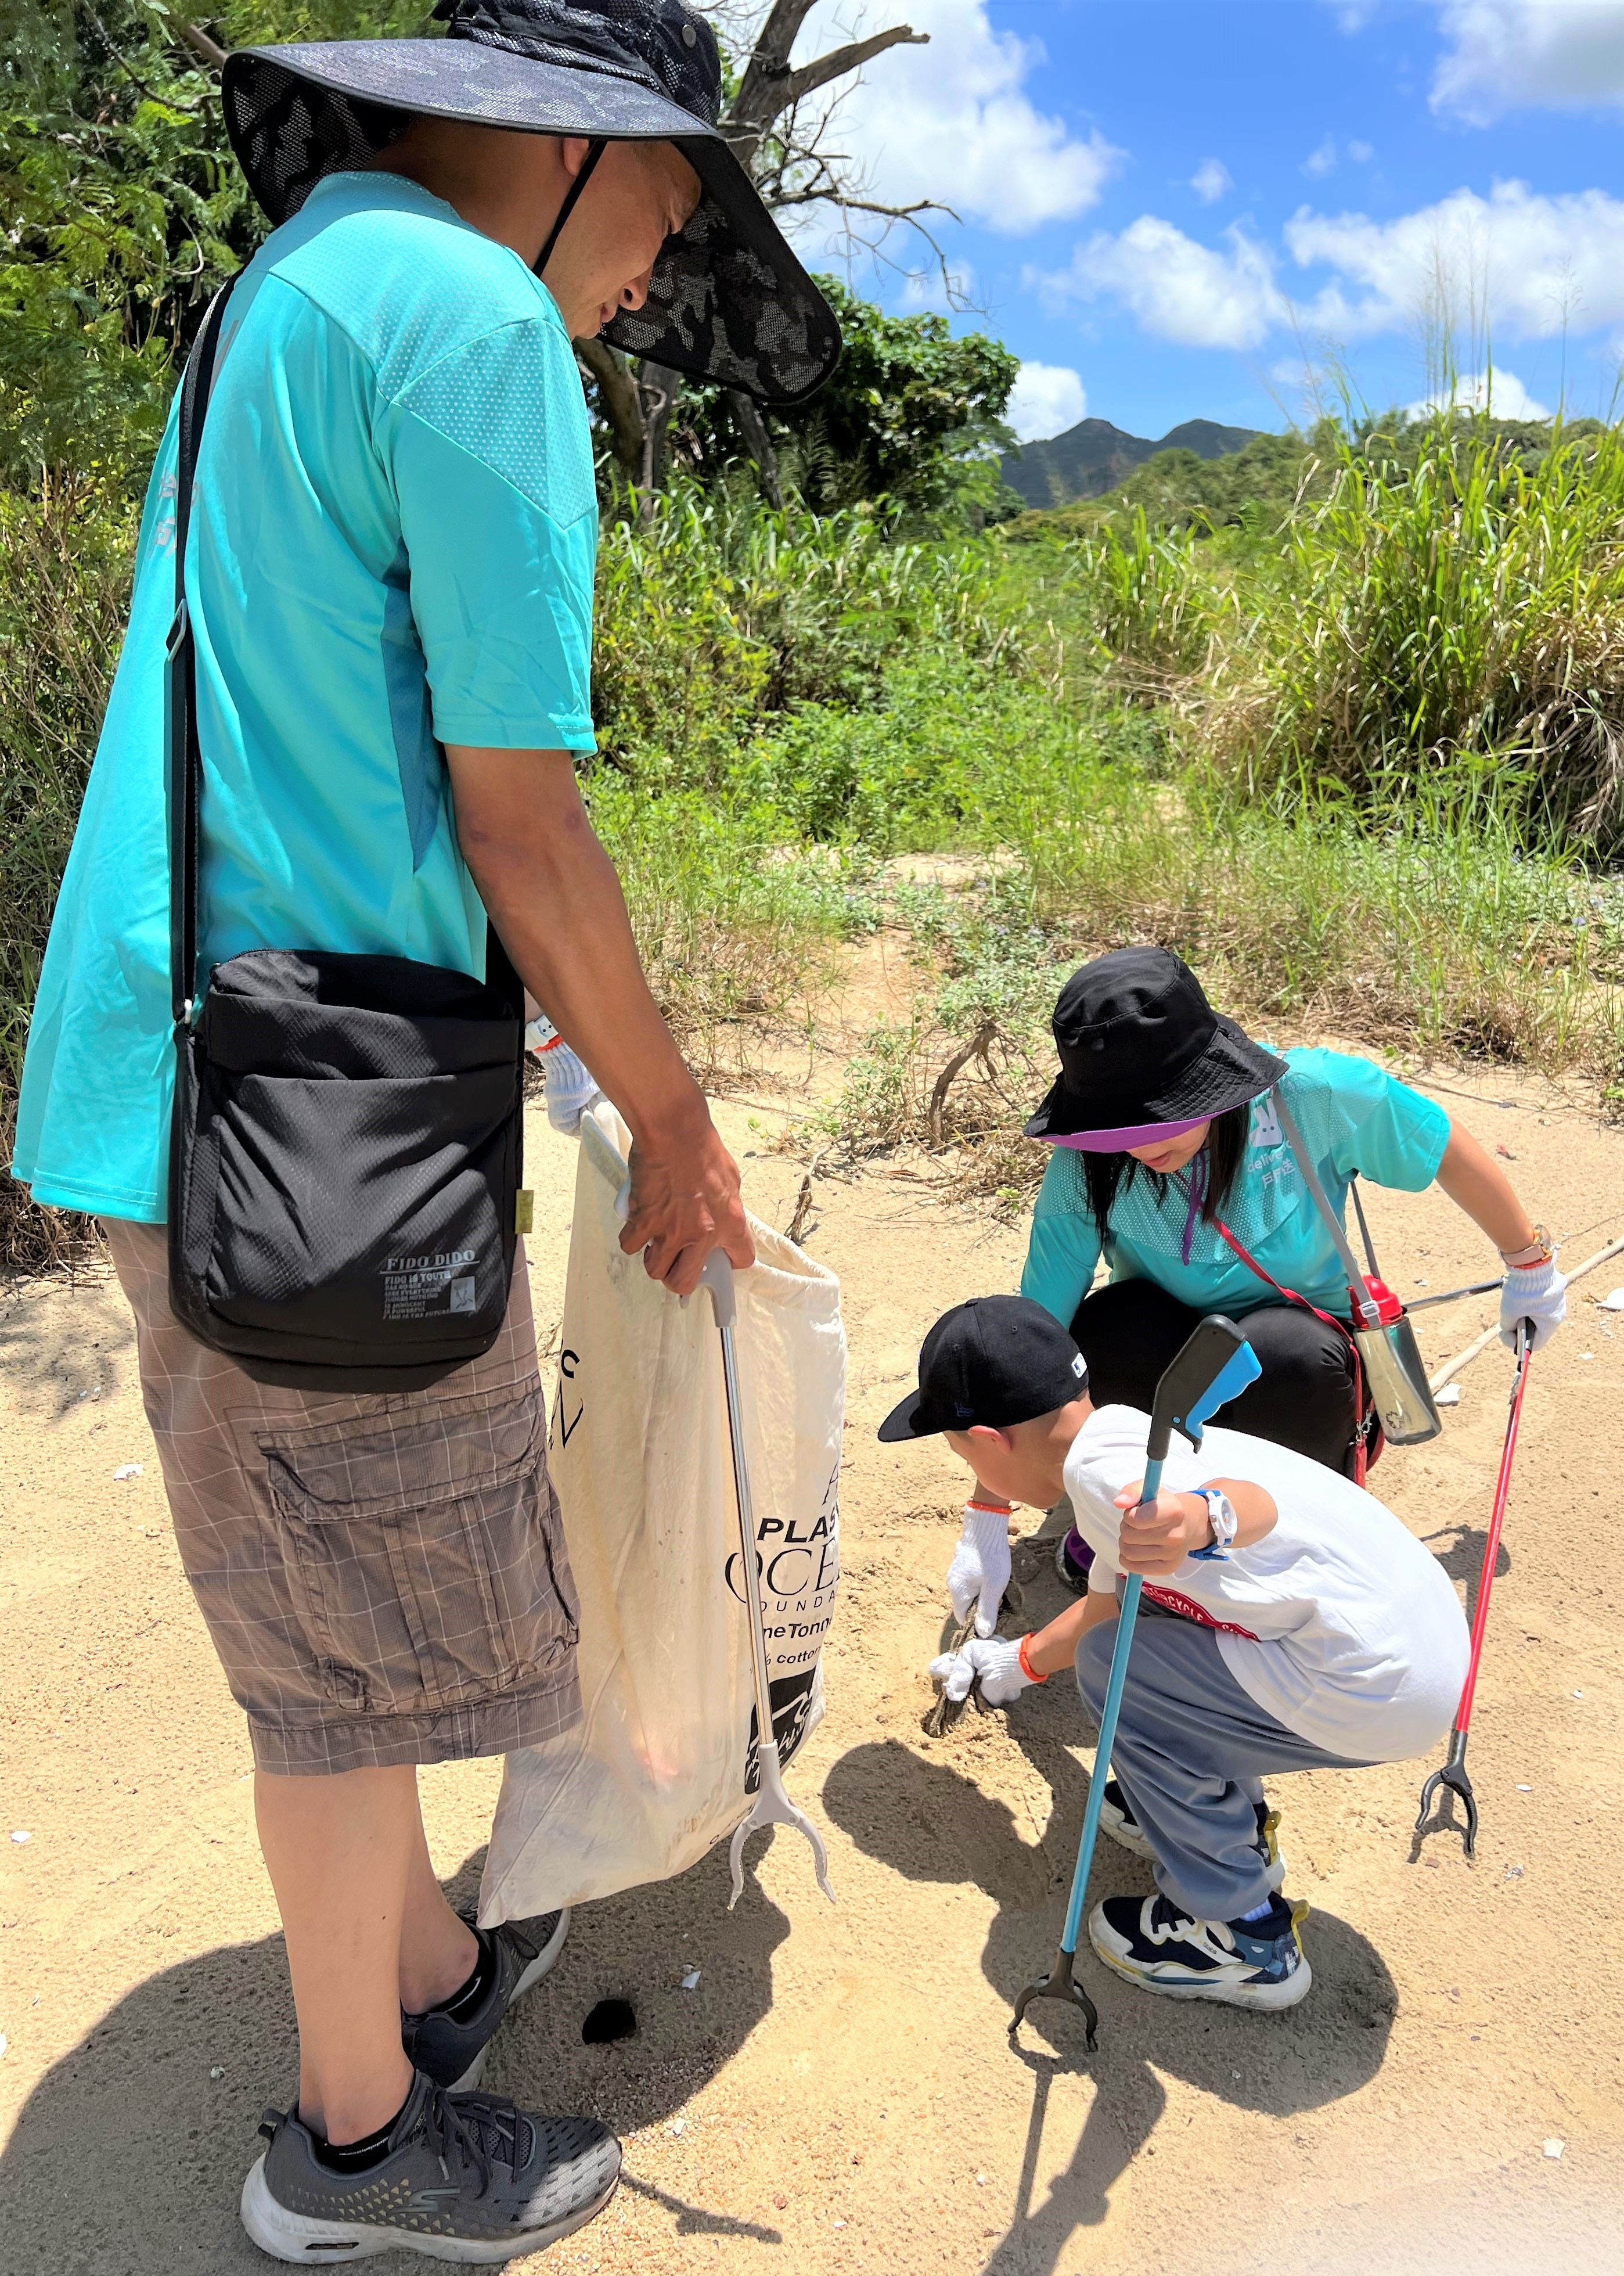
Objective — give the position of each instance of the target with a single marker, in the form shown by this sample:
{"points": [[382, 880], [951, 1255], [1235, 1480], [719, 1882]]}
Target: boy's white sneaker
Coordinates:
{"points": [[1153, 1943]]}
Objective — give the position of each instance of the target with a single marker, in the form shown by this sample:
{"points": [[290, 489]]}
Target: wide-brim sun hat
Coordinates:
{"points": [[728, 301], [1143, 1056]]}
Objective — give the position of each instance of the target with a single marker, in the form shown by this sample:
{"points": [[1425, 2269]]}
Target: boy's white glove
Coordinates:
{"points": [[979, 1574], [995, 1662], [571, 1087], [1537, 1292]]}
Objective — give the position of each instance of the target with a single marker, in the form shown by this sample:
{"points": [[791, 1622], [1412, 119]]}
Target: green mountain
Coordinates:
{"points": [[1094, 455]]}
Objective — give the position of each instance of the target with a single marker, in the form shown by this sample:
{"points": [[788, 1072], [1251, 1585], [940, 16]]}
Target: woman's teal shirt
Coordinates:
{"points": [[1353, 1116]]}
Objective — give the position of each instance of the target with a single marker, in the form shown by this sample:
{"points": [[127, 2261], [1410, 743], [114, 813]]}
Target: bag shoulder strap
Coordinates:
{"points": [[183, 760], [1361, 1454], [1340, 1242]]}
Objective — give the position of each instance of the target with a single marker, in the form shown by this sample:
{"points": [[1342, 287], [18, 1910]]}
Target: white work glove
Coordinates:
{"points": [[571, 1086], [995, 1662], [979, 1574], [1537, 1292]]}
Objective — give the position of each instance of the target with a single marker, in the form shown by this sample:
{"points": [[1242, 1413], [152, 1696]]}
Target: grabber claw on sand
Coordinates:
{"points": [[1214, 1367], [773, 1806], [1452, 1778]]}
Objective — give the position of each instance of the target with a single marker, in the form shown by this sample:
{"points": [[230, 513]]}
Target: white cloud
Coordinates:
{"points": [[1211, 180], [1501, 393], [1361, 153], [1047, 400], [1501, 54], [1319, 162], [955, 121], [1177, 289], [1517, 259], [1517, 264]]}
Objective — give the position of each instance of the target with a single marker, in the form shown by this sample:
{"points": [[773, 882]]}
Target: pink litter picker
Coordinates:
{"points": [[1452, 1778], [773, 1806]]}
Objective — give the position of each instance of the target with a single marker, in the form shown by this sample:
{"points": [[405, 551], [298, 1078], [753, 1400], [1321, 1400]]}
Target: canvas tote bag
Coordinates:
{"points": [[663, 1763]]}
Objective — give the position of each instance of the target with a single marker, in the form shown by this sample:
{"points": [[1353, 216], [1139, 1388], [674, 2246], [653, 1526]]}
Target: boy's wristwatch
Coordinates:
{"points": [[1221, 1516]]}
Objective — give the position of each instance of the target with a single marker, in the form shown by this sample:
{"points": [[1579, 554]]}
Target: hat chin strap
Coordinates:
{"points": [[588, 167]]}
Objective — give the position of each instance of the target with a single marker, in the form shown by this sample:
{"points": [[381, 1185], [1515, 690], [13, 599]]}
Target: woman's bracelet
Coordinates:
{"points": [[1026, 1668], [1540, 1250]]}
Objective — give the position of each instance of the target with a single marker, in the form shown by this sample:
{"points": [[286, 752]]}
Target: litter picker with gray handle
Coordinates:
{"points": [[773, 1806], [1214, 1367]]}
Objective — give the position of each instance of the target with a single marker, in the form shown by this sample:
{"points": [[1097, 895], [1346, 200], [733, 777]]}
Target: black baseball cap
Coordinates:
{"points": [[998, 1360]]}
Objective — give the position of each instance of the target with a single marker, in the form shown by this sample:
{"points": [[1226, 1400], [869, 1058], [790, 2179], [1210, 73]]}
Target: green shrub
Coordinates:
{"points": [[1462, 611]]}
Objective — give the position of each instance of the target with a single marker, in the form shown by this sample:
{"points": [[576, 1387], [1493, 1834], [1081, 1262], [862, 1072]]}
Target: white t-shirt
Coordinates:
{"points": [[1338, 1621]]}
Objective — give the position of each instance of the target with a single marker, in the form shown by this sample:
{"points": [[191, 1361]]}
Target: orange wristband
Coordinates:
{"points": [[1026, 1668]]}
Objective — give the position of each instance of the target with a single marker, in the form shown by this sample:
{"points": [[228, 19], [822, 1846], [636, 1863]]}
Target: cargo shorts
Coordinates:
{"points": [[384, 1574]]}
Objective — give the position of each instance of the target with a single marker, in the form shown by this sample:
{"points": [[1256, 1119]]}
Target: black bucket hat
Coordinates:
{"points": [[728, 301], [1140, 1046]]}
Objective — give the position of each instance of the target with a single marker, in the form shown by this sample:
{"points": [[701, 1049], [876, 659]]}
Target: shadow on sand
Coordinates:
{"points": [[127, 2160], [928, 1823]]}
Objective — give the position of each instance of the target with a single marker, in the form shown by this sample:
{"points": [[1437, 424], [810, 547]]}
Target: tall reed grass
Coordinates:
{"points": [[1363, 773]]}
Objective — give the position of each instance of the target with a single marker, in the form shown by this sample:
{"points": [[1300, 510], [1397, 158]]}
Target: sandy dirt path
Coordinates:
{"points": [[839, 2093]]}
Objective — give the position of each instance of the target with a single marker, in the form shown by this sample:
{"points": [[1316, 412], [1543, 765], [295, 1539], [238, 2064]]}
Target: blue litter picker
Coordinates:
{"points": [[1214, 1367]]}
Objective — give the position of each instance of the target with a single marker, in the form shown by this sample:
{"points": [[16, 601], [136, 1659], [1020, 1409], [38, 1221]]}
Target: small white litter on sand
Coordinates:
{"points": [[1554, 2145], [126, 1470], [1450, 1395]]}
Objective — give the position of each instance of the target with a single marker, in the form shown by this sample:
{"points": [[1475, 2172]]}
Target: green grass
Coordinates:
{"points": [[1360, 777]]}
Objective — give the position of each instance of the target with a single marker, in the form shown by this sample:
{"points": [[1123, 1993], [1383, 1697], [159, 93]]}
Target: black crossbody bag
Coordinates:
{"points": [[347, 1147]]}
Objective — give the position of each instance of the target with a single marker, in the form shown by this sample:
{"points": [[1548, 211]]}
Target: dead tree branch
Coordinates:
{"points": [[977, 1048], [212, 53]]}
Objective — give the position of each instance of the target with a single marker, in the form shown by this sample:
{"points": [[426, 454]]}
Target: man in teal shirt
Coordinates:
{"points": [[389, 573]]}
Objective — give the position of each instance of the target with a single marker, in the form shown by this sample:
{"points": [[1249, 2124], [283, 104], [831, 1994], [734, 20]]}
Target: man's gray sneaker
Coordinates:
{"points": [[464, 2177], [451, 2049]]}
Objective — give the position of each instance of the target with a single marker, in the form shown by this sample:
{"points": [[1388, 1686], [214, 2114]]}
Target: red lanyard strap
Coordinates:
{"points": [[1330, 1321]]}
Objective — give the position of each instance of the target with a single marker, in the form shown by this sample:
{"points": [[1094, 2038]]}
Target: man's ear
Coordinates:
{"points": [[574, 149], [983, 1434]]}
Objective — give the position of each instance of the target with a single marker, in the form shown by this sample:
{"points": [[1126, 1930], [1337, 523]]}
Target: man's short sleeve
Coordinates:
{"points": [[490, 455]]}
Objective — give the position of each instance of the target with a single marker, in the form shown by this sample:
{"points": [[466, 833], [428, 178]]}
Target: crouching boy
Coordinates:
{"points": [[1288, 1622]]}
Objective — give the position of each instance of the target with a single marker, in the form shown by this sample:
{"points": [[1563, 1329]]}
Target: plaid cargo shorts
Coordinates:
{"points": [[384, 1575]]}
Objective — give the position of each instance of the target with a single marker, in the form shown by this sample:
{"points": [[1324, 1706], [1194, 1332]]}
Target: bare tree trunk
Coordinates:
{"points": [[618, 393], [656, 392], [754, 429]]}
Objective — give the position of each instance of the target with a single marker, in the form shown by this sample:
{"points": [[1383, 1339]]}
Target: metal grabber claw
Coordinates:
{"points": [[1061, 1984], [1453, 1776], [773, 1806]]}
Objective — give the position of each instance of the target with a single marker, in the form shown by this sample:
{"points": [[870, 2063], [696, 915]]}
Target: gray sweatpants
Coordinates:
{"points": [[1190, 1755]]}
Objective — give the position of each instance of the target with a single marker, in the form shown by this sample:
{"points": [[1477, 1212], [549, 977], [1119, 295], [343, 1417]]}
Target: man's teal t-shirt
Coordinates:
{"points": [[1354, 1117], [393, 543]]}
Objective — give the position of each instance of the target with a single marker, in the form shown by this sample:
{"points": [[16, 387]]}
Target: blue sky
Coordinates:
{"points": [[1177, 208]]}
